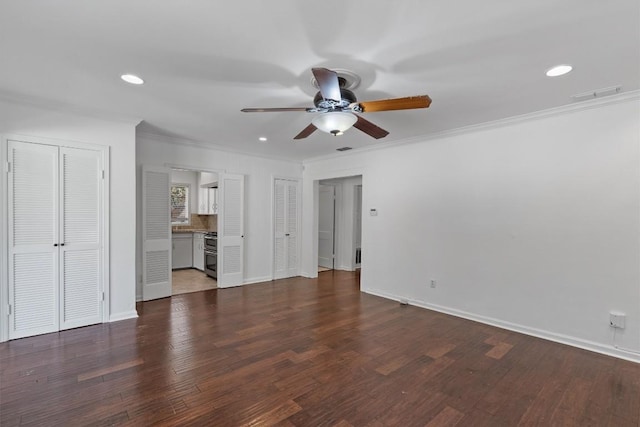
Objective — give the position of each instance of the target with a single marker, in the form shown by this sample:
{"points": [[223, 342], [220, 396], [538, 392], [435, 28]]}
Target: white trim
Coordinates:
{"points": [[54, 141], [152, 137], [106, 233], [61, 107], [253, 280], [123, 316], [609, 350], [4, 247], [192, 168], [500, 123]]}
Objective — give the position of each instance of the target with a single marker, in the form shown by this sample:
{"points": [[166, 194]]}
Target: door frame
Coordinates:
{"points": [[4, 220], [335, 223], [272, 237], [310, 192]]}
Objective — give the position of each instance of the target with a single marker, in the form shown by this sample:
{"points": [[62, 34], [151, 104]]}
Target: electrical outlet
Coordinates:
{"points": [[433, 283], [617, 320]]}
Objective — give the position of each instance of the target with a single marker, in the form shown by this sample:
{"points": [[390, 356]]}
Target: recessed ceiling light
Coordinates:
{"points": [[131, 78], [262, 139], [559, 70]]}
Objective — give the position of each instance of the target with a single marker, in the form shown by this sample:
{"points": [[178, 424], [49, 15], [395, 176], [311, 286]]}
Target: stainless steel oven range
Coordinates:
{"points": [[211, 254]]}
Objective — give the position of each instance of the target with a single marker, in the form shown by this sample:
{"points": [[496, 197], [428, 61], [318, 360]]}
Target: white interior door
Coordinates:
{"points": [[80, 237], [285, 228], [326, 225], [156, 228], [230, 230], [33, 239]]}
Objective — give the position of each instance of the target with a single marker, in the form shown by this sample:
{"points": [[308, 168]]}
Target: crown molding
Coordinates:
{"points": [[61, 107], [175, 140], [495, 124]]}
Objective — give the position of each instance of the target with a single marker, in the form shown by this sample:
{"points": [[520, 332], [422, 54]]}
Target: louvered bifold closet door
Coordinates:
{"points": [[292, 229], [231, 230], [80, 237], [156, 229], [33, 232], [280, 245]]}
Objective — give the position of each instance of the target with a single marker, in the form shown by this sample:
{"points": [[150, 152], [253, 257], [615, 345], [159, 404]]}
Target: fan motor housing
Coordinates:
{"points": [[347, 96]]}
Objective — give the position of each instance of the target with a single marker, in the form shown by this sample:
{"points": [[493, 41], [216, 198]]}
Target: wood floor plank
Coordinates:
{"points": [[110, 369], [307, 352]]}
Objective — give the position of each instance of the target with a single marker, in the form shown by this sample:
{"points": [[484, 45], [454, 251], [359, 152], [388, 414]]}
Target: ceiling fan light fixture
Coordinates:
{"points": [[334, 122]]}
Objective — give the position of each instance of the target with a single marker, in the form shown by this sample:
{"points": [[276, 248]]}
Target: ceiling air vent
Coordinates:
{"points": [[597, 93], [343, 149]]}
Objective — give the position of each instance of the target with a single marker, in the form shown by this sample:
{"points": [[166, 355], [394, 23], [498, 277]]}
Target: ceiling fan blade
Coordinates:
{"points": [[328, 83], [407, 103], [369, 128], [306, 132], [272, 110]]}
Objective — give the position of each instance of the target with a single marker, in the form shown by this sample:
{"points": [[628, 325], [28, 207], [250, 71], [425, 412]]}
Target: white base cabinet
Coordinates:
{"points": [[198, 251], [182, 251]]}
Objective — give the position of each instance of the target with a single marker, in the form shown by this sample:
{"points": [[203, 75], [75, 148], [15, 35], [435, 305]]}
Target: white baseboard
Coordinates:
{"points": [[609, 350], [252, 280], [123, 316]]}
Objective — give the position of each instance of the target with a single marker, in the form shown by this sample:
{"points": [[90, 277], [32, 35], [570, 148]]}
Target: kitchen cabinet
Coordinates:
{"points": [[213, 201], [182, 250], [198, 251], [207, 196]]}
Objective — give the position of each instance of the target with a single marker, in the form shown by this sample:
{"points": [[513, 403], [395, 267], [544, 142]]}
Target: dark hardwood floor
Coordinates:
{"points": [[302, 352]]}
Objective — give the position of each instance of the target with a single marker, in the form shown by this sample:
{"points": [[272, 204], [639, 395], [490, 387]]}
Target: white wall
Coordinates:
{"points": [[258, 171], [531, 224], [191, 178], [27, 120]]}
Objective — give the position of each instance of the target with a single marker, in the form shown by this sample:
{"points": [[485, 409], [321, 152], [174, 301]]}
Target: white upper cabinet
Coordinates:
{"points": [[207, 196]]}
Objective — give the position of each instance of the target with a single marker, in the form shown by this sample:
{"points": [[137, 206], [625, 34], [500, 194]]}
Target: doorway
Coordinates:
{"points": [[158, 242], [339, 223], [326, 227], [194, 214]]}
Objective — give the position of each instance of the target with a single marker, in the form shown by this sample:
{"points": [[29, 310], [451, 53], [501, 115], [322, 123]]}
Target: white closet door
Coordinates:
{"points": [[156, 228], [230, 230], [285, 228], [33, 232], [80, 237]]}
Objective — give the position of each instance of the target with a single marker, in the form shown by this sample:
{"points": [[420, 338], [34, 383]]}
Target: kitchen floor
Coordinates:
{"points": [[191, 280]]}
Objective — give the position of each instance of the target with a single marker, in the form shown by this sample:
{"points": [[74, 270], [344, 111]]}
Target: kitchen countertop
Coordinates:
{"points": [[184, 231]]}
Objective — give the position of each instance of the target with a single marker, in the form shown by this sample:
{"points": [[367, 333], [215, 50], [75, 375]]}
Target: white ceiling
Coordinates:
{"points": [[205, 60]]}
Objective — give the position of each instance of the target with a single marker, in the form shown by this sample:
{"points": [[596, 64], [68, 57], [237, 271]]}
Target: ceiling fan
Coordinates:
{"points": [[336, 105]]}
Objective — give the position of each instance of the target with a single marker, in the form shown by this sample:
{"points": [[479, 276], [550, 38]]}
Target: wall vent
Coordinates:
{"points": [[343, 149]]}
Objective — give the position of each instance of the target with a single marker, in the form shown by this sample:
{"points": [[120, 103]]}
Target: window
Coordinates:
{"points": [[180, 204]]}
